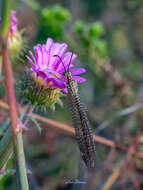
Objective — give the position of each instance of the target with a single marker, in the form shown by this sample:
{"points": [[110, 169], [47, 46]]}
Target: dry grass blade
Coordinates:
{"points": [[112, 178]]}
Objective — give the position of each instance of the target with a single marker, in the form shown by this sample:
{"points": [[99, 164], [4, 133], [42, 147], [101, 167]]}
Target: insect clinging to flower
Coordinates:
{"points": [[52, 73], [46, 79]]}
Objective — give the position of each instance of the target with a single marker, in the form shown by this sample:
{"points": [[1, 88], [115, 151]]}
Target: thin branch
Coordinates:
{"points": [[66, 128]]}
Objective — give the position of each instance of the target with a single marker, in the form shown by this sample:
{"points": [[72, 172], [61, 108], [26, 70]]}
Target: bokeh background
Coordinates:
{"points": [[108, 38]]}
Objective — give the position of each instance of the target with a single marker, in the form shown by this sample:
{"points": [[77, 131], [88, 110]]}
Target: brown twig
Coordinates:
{"points": [[61, 126], [66, 128]]}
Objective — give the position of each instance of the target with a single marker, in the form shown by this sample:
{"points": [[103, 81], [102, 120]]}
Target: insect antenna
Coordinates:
{"points": [[61, 61]]}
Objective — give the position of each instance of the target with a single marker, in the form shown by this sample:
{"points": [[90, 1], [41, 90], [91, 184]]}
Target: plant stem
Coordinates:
{"points": [[16, 129], [6, 4], [21, 165], [28, 111]]}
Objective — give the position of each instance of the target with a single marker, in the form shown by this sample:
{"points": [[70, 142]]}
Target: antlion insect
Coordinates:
{"points": [[82, 130]]}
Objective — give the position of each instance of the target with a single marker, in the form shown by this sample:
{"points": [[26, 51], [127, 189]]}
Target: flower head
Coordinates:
{"points": [[47, 69]]}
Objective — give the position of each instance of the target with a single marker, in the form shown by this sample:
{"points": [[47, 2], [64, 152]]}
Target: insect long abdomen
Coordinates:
{"points": [[81, 124], [82, 130]]}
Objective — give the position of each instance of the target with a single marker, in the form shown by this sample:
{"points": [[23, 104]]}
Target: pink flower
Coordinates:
{"points": [[48, 69]]}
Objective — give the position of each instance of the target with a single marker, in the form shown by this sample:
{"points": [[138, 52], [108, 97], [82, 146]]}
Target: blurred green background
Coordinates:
{"points": [[108, 39]]}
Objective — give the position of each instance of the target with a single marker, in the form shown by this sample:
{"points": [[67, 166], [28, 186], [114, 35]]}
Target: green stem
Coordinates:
{"points": [[5, 17], [21, 165], [15, 126]]}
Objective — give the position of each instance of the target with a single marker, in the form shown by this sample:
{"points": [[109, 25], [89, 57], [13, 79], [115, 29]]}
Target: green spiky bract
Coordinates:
{"points": [[38, 95]]}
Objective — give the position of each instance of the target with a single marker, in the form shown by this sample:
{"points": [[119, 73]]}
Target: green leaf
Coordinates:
{"points": [[7, 172], [78, 26], [96, 29], [7, 167], [4, 125], [6, 148]]}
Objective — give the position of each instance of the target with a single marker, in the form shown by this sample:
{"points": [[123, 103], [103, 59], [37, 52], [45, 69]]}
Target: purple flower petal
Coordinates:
{"points": [[41, 74], [30, 60], [49, 49], [78, 79], [54, 50], [77, 71], [31, 54], [49, 43], [45, 55], [61, 50], [57, 49], [37, 54], [67, 57], [58, 83], [65, 90]]}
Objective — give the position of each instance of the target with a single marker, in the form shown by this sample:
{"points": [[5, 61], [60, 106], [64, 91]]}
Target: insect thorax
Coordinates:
{"points": [[71, 84]]}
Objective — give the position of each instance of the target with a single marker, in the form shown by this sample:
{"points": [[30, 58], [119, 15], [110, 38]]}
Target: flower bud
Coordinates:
{"points": [[14, 36]]}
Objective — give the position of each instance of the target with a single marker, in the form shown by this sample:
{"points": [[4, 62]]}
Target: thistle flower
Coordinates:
{"points": [[46, 72]]}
